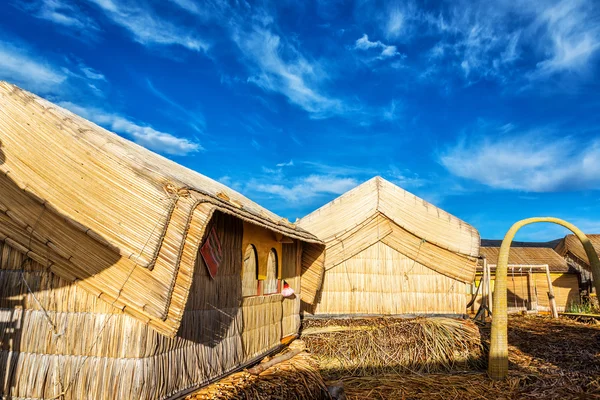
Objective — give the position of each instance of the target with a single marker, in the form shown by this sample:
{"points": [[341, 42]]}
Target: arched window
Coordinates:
{"points": [[271, 284], [250, 272]]}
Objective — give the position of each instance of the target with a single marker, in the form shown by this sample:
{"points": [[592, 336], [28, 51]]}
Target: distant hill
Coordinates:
{"points": [[496, 243]]}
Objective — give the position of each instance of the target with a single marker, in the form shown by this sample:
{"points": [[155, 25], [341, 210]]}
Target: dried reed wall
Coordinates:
{"points": [[523, 290], [56, 337], [381, 280]]}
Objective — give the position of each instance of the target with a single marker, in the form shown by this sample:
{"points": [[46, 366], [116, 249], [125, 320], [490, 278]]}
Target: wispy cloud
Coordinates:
{"points": [[321, 168], [148, 28], [144, 135], [384, 50], [91, 73], [195, 119], [482, 40], [64, 13], [21, 66], [278, 66], [305, 188], [572, 36], [533, 161], [396, 22], [286, 164], [405, 178]]}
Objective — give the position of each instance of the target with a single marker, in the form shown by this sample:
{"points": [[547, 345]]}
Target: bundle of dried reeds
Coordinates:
{"points": [[549, 359], [296, 378], [364, 347]]}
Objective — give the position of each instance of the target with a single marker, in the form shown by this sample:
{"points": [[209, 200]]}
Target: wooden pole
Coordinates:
{"points": [[532, 294], [275, 360], [551, 294], [489, 285]]}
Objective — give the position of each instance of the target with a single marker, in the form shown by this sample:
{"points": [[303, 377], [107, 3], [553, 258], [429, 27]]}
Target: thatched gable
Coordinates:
{"points": [[571, 246], [523, 256], [381, 211], [99, 210]]}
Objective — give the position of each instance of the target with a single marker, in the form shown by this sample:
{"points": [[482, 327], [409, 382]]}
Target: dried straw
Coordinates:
{"points": [[365, 347], [550, 359], [297, 378]]}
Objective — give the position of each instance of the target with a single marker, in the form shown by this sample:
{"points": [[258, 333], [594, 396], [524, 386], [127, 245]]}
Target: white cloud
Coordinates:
{"points": [[396, 22], [305, 188], [280, 67], [572, 36], [485, 39], [286, 164], [387, 51], [533, 161], [61, 12], [19, 66], [148, 28], [255, 144], [91, 73], [206, 9], [144, 135]]}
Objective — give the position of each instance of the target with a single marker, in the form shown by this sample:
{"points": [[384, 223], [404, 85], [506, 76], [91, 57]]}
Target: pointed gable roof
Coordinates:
{"points": [[570, 244], [415, 215], [377, 211]]}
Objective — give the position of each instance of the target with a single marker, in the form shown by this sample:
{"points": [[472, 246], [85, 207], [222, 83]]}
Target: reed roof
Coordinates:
{"points": [[571, 244], [411, 213], [528, 256], [121, 220]]}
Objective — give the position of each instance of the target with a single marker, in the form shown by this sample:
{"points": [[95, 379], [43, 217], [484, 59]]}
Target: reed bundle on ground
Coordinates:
{"points": [[297, 378], [363, 347], [549, 359]]}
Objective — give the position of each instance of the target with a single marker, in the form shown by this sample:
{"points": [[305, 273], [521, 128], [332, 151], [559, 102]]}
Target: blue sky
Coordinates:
{"points": [[489, 110]]}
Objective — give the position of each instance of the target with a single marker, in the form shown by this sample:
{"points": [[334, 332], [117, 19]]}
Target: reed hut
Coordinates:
{"points": [[571, 249], [388, 252], [529, 271], [124, 275]]}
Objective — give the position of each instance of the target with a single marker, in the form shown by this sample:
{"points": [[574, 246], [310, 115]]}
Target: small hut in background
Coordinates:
{"points": [[388, 252], [528, 272], [126, 276], [571, 249]]}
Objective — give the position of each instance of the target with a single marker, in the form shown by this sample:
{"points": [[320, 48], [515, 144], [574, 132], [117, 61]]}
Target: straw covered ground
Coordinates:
{"points": [[296, 379], [549, 359], [374, 346]]}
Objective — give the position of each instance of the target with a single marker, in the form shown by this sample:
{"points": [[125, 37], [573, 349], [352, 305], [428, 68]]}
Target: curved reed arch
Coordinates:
{"points": [[498, 358]]}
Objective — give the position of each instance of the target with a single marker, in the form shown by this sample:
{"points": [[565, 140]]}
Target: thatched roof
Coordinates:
{"points": [[571, 245], [379, 210], [98, 209], [528, 256]]}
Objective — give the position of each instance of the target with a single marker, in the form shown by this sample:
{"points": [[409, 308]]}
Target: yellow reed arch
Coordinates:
{"points": [[498, 358]]}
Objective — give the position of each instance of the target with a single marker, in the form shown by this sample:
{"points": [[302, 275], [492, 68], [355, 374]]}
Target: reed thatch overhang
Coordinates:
{"points": [[112, 215], [378, 210], [528, 256], [571, 245]]}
